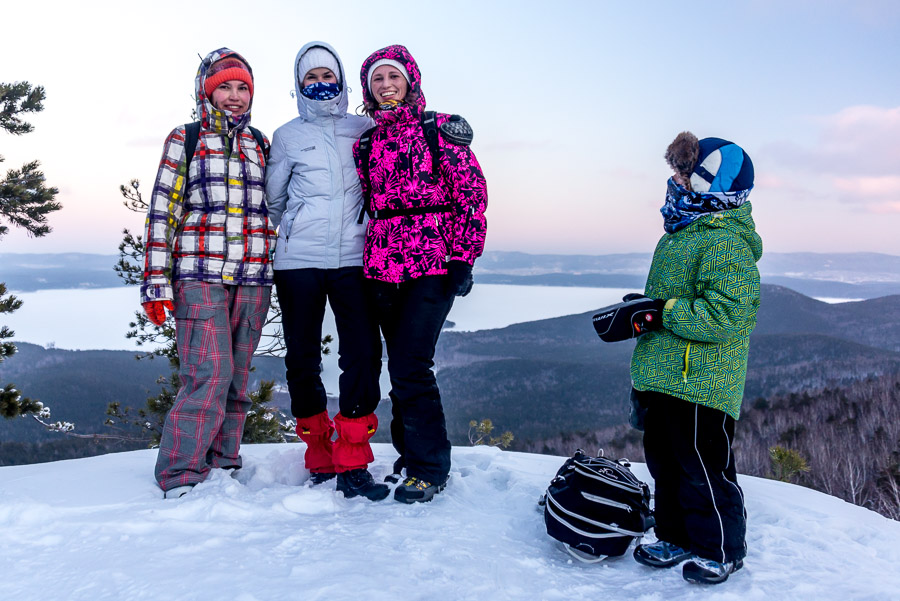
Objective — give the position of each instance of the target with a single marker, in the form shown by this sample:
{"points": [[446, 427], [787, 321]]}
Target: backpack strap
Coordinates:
{"points": [[364, 151], [430, 129], [260, 139], [192, 135], [454, 130]]}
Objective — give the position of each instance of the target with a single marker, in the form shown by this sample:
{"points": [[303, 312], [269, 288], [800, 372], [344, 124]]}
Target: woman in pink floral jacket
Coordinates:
{"points": [[426, 228]]}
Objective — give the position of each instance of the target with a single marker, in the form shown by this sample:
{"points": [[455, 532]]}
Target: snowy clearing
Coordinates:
{"points": [[98, 528]]}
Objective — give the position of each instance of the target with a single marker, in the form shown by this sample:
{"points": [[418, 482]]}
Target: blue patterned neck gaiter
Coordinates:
{"points": [[683, 206], [321, 90]]}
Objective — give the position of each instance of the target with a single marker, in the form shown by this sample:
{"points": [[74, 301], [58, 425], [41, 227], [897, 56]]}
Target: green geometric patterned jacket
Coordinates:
{"points": [[707, 273]]}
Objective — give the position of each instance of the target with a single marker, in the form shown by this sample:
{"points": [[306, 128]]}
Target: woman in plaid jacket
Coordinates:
{"points": [[207, 260]]}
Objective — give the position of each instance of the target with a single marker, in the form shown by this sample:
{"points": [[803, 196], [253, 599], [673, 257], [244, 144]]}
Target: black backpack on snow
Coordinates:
{"points": [[596, 507]]}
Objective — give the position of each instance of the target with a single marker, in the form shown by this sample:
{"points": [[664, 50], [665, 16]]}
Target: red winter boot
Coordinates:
{"points": [[316, 432], [351, 449], [352, 454]]}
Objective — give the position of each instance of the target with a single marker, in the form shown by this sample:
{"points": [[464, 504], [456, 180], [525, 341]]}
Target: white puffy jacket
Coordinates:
{"points": [[312, 187]]}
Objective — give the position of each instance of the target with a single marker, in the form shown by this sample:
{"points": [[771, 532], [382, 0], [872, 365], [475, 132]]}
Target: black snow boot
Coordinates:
{"points": [[360, 482], [661, 554], [707, 571], [320, 477], [414, 490]]}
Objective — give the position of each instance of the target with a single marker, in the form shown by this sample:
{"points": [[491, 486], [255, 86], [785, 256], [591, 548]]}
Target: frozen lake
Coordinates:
{"points": [[98, 319]]}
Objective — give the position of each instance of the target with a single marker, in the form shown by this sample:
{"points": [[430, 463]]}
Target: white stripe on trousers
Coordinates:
{"points": [[712, 495]]}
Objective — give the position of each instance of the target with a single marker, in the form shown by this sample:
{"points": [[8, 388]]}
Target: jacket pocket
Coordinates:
{"points": [[287, 223], [256, 322]]}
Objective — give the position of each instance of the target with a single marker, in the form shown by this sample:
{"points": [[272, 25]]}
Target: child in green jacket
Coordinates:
{"points": [[688, 371]]}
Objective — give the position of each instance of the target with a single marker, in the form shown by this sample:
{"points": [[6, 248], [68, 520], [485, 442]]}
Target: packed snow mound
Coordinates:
{"points": [[98, 528]]}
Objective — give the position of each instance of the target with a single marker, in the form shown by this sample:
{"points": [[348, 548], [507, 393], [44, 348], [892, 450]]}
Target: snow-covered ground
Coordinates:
{"points": [[98, 528]]}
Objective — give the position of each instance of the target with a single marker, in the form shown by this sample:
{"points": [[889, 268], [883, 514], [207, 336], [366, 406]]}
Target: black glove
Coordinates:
{"points": [[459, 277], [629, 319]]}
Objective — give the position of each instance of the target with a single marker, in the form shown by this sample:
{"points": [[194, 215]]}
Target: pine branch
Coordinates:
{"points": [[13, 404], [25, 201], [16, 98], [133, 199]]}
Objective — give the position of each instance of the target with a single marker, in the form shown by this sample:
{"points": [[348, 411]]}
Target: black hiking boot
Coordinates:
{"points": [[320, 477], [414, 490], [707, 571], [360, 482]]}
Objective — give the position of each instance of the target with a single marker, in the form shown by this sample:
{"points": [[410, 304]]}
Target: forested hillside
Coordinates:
{"points": [[848, 438], [554, 377]]}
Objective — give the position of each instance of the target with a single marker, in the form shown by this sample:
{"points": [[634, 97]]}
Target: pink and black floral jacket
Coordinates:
{"points": [[402, 248]]}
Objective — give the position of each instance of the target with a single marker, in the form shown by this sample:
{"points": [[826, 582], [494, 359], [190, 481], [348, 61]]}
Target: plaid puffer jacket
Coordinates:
{"points": [[212, 223]]}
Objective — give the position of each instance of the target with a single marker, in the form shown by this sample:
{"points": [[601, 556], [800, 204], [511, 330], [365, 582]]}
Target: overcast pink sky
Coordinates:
{"points": [[573, 105]]}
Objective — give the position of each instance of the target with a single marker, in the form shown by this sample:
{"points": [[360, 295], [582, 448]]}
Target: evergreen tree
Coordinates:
{"points": [[480, 433], [25, 201]]}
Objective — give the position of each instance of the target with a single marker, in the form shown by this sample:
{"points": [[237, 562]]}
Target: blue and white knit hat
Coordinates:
{"points": [[722, 167]]}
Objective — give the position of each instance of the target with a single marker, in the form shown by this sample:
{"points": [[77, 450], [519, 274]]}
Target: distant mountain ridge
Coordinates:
{"points": [[843, 275]]}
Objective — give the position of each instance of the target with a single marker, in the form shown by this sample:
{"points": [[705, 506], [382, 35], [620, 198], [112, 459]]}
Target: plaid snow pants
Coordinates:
{"points": [[217, 329]]}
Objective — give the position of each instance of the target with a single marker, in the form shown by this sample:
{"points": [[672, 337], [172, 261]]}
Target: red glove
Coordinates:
{"points": [[156, 310]]}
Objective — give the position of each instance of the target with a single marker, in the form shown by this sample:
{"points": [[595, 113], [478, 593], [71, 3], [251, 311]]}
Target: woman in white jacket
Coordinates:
{"points": [[314, 199]]}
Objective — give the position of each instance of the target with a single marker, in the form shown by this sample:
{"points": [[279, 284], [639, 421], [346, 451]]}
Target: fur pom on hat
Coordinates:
{"points": [[385, 61], [681, 155], [710, 165], [227, 69], [315, 58]]}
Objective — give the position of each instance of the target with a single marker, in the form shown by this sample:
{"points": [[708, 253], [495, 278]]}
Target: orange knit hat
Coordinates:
{"points": [[227, 69]]}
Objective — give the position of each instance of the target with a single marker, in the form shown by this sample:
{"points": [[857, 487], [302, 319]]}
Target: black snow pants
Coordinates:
{"points": [[698, 503], [411, 315], [302, 294]]}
